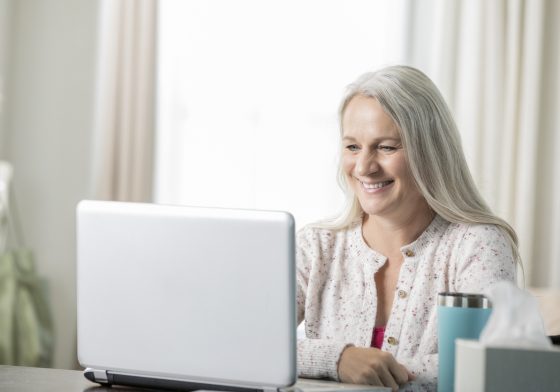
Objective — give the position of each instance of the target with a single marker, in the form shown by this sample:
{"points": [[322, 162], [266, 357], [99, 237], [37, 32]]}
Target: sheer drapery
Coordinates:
{"points": [[248, 98], [5, 9], [123, 158], [497, 63], [6, 172]]}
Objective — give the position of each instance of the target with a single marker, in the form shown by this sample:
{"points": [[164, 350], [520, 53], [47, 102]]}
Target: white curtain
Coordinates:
{"points": [[6, 173], [5, 9], [497, 64], [247, 111], [123, 153]]}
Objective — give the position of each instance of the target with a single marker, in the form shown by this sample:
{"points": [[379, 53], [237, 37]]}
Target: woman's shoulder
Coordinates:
{"points": [[327, 229], [483, 254], [472, 239], [478, 231], [316, 233], [320, 246], [316, 229]]}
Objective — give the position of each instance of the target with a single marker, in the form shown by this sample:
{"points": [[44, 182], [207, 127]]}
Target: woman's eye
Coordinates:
{"points": [[385, 148], [352, 147]]}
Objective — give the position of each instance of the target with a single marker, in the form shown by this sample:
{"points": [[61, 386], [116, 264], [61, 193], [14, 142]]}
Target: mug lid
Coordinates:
{"points": [[463, 300]]}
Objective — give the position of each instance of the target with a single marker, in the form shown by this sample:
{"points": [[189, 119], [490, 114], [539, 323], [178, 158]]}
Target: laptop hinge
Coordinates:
{"points": [[95, 375]]}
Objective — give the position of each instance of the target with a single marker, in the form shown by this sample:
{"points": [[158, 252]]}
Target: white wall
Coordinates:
{"points": [[48, 133]]}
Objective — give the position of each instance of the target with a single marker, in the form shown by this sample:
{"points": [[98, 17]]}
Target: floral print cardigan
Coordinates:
{"points": [[337, 296]]}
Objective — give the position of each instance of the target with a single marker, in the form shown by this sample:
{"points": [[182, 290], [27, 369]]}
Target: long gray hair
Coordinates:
{"points": [[432, 146]]}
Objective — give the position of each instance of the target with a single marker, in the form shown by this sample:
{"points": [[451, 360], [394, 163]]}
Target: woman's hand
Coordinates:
{"points": [[360, 365]]}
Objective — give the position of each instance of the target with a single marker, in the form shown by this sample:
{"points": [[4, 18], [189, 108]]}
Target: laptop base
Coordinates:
{"points": [[106, 378]]}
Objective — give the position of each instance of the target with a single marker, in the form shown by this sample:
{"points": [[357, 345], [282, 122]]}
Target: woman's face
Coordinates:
{"points": [[374, 161]]}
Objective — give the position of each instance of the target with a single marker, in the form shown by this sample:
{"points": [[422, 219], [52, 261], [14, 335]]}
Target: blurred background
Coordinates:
{"points": [[222, 103]]}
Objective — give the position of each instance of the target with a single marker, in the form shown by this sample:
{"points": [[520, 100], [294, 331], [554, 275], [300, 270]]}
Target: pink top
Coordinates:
{"points": [[377, 339]]}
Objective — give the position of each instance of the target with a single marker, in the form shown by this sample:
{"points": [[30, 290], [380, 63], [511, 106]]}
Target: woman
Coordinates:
{"points": [[414, 225]]}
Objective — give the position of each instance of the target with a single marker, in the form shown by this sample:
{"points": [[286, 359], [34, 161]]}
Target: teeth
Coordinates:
{"points": [[376, 186]]}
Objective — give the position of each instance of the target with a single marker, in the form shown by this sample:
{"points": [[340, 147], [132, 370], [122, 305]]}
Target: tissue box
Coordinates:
{"points": [[480, 368]]}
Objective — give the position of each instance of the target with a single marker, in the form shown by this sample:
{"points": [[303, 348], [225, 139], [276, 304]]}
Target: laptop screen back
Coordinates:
{"points": [[187, 293]]}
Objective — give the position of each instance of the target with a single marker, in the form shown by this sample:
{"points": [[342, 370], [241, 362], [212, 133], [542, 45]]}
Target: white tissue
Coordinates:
{"points": [[515, 320]]}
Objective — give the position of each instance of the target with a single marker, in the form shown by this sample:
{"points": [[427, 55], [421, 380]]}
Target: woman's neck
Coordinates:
{"points": [[388, 234]]}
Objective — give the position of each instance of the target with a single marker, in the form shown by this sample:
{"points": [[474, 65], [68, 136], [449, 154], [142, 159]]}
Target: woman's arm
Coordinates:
{"points": [[331, 358], [317, 358], [484, 257]]}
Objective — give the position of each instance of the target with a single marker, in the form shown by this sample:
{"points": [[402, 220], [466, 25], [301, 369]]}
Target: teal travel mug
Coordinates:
{"points": [[463, 316]]}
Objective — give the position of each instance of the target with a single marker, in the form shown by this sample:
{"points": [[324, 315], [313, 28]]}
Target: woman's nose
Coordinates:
{"points": [[366, 164]]}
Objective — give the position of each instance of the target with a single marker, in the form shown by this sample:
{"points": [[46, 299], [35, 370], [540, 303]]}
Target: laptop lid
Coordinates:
{"points": [[187, 294]]}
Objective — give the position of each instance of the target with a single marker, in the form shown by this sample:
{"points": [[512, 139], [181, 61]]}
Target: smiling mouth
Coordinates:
{"points": [[377, 185]]}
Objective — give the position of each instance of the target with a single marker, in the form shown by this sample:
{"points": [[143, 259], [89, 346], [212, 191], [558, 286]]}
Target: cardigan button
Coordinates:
{"points": [[402, 294], [409, 253], [392, 341]]}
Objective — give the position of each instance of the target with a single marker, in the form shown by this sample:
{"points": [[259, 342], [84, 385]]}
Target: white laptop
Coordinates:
{"points": [[186, 298], [189, 298]]}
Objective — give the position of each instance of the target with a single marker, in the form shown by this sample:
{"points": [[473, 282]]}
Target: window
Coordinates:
{"points": [[248, 93]]}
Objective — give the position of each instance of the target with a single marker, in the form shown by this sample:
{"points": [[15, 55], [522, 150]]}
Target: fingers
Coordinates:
{"points": [[371, 366], [372, 378], [411, 376], [393, 373], [387, 379], [399, 372]]}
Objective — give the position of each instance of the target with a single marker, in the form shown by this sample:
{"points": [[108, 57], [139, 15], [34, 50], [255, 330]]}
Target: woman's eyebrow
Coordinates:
{"points": [[389, 138]]}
